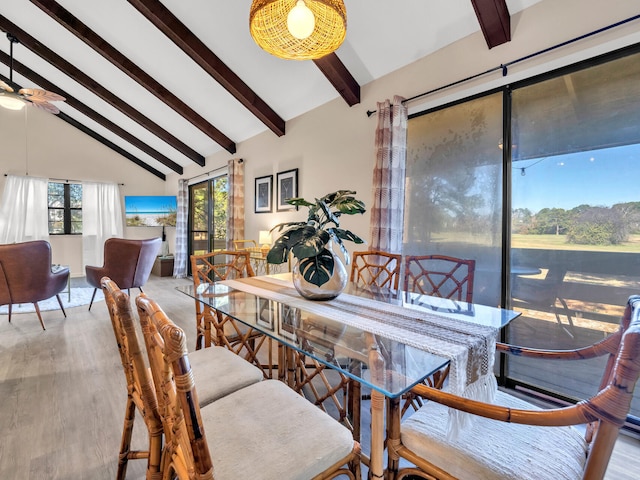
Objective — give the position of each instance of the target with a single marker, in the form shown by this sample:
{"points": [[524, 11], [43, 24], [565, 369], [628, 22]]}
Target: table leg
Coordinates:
{"points": [[376, 464], [377, 368], [393, 436]]}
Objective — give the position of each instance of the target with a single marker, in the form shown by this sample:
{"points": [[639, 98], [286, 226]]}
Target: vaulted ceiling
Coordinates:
{"points": [[167, 83]]}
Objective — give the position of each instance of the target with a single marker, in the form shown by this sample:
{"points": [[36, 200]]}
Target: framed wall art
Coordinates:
{"points": [[264, 195], [287, 187]]}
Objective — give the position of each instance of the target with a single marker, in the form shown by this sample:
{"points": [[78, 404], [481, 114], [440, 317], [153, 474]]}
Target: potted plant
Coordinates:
{"points": [[318, 272]]}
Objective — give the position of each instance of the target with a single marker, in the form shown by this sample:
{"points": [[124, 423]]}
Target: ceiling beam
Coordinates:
{"points": [[92, 114], [189, 43], [90, 84], [100, 45], [340, 78], [494, 19], [83, 128]]}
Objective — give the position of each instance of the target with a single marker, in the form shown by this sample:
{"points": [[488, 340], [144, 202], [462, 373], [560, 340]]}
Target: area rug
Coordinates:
{"points": [[79, 296]]}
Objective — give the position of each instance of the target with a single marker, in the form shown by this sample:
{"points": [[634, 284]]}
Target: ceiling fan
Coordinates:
{"points": [[34, 96]]}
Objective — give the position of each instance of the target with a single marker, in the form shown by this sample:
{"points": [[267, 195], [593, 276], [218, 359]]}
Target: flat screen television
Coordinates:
{"points": [[150, 210]]}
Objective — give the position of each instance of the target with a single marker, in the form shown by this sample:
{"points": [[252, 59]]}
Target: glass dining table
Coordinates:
{"points": [[321, 340]]}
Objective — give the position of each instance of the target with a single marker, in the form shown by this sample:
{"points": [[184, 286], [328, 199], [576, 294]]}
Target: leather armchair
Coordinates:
{"points": [[127, 262], [26, 276]]}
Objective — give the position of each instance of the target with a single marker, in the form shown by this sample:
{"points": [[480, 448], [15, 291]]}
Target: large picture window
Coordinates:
{"points": [[65, 208]]}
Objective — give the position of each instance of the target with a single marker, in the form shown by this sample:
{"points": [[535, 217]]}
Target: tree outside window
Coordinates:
{"points": [[65, 208]]}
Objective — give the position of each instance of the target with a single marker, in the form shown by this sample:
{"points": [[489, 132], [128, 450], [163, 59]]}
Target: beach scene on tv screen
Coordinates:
{"points": [[150, 211]]}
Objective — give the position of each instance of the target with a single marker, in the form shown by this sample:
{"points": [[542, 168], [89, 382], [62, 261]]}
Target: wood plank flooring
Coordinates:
{"points": [[62, 394]]}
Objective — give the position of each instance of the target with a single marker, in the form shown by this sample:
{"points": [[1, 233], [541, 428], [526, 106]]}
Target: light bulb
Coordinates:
{"points": [[301, 21], [11, 102]]}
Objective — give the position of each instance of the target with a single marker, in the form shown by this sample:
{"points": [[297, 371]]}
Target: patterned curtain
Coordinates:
{"points": [[387, 213], [235, 205], [181, 255]]}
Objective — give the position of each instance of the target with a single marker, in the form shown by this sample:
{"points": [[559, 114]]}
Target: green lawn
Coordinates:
{"points": [[558, 242]]}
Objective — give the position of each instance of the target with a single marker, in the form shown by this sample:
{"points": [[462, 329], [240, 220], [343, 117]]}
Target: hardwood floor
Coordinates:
{"points": [[62, 394]]}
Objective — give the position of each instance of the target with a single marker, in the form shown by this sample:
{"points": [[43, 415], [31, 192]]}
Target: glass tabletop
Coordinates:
{"points": [[343, 347]]}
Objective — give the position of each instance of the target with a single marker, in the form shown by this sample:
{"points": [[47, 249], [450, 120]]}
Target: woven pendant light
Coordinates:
{"points": [[268, 21]]}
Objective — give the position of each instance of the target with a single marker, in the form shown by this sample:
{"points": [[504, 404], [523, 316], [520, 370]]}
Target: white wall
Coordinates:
{"points": [[332, 146]]}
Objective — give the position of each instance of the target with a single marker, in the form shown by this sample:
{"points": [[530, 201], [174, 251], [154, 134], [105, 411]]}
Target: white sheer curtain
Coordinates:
{"points": [[24, 210], [101, 219]]}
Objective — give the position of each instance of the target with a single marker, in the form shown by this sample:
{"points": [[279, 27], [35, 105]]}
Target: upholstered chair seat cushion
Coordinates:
{"points": [[285, 437], [494, 450], [218, 372]]}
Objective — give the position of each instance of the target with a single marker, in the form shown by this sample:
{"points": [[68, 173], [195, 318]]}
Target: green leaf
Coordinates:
{"points": [[278, 253], [310, 243], [299, 202], [319, 269], [347, 235], [350, 206]]}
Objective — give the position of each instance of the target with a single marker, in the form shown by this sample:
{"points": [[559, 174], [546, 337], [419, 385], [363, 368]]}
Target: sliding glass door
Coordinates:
{"points": [[575, 225], [208, 215], [536, 183]]}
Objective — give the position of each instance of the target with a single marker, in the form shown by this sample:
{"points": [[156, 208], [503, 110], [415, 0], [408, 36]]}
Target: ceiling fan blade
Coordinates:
{"points": [[44, 105], [41, 95], [5, 87]]}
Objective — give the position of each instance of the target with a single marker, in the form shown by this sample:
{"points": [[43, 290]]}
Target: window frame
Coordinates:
{"points": [[67, 209]]}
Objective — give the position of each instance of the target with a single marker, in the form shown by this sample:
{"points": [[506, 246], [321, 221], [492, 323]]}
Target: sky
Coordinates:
{"points": [[597, 178]]}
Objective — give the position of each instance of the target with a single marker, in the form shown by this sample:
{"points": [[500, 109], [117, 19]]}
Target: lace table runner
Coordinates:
{"points": [[468, 346]]}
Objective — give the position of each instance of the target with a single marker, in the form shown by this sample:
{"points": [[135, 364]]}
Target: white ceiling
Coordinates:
{"points": [[291, 88]]}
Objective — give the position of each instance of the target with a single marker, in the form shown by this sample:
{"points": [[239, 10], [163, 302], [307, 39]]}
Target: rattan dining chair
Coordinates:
{"points": [[215, 328], [265, 430], [440, 276], [514, 439], [375, 267], [218, 370], [208, 268]]}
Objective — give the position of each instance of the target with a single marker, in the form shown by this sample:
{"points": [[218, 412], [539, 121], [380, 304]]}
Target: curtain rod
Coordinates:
{"points": [[212, 171], [504, 66], [65, 180]]}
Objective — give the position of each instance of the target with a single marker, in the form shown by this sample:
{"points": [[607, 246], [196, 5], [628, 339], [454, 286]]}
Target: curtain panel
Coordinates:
{"points": [[235, 205], [182, 217], [24, 214], [387, 212], [101, 219]]}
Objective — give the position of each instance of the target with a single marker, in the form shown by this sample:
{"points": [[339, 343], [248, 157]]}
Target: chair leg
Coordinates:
{"points": [[61, 306], [92, 297], [35, 304], [9, 313], [125, 442]]}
